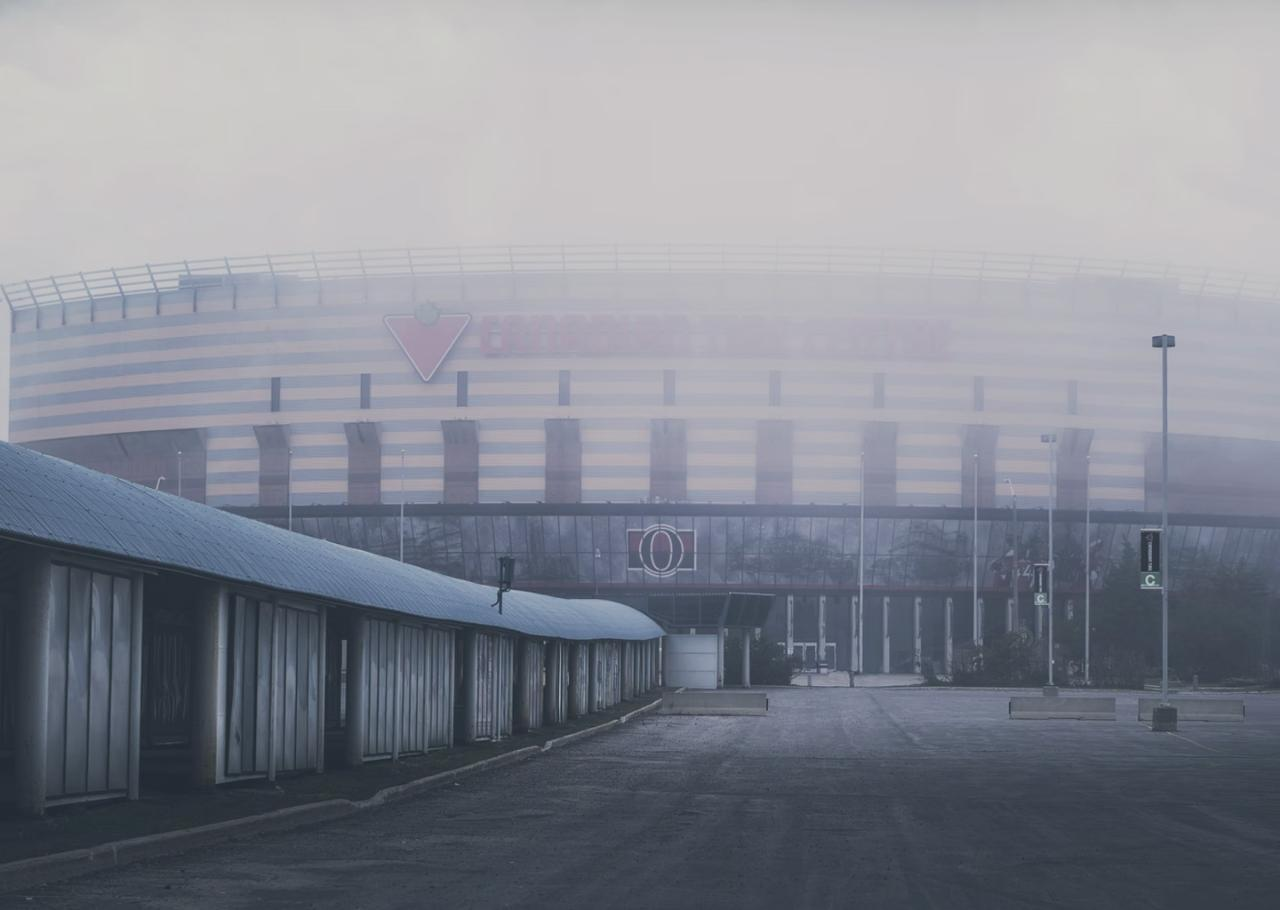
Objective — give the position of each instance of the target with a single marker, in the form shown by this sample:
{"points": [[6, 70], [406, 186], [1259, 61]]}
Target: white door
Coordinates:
{"points": [[690, 661]]}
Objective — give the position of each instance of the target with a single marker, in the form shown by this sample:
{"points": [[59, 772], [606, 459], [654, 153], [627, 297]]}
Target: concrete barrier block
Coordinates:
{"points": [[1211, 710], [1039, 707], [715, 701]]}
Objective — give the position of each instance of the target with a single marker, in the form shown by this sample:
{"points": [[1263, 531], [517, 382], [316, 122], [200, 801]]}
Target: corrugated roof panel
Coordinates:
{"points": [[55, 502]]}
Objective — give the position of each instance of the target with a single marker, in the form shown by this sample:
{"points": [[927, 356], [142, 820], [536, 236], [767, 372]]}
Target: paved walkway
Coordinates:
{"points": [[919, 798]]}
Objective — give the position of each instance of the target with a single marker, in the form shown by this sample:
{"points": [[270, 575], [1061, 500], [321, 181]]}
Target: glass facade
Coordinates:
{"points": [[584, 549]]}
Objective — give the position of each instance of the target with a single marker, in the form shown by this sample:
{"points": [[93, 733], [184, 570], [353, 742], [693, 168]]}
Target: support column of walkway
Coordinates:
{"points": [[917, 648], [948, 653], [31, 711], [469, 693], [209, 686], [884, 657], [357, 700], [822, 630], [791, 625]]}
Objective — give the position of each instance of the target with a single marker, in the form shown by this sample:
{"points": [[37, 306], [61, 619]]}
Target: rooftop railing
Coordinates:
{"points": [[157, 278]]}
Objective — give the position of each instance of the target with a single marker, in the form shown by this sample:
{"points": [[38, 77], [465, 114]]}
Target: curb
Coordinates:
{"points": [[401, 791], [561, 741], [53, 867], [652, 706], [39, 870]]}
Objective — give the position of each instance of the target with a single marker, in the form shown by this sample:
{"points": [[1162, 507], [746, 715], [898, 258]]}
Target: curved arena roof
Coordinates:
{"points": [[50, 501], [57, 291]]}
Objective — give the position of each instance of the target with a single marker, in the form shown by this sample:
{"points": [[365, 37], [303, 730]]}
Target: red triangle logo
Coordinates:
{"points": [[427, 345]]}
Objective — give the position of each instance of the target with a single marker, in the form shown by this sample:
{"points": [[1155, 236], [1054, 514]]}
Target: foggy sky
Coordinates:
{"points": [[134, 131]]}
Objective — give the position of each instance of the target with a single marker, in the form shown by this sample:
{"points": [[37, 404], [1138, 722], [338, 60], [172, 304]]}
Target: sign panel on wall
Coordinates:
{"points": [[661, 550]]}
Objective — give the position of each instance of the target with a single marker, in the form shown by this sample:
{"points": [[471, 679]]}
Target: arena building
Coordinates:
{"points": [[664, 426]]}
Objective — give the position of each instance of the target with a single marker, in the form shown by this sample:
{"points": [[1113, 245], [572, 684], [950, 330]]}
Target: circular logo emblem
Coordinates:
{"points": [[661, 550]]}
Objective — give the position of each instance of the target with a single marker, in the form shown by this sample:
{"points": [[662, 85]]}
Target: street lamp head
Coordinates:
{"points": [[1048, 437], [1163, 341]]}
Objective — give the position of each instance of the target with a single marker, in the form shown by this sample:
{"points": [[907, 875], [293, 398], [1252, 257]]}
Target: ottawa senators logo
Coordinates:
{"points": [[661, 550]]}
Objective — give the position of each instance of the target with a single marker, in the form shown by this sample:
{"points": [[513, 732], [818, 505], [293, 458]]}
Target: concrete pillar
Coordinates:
{"points": [[720, 636], [822, 629], [746, 657], [948, 652], [470, 693], [855, 635], [1010, 621], [357, 662], [791, 625], [31, 685], [209, 685], [917, 650], [884, 666]]}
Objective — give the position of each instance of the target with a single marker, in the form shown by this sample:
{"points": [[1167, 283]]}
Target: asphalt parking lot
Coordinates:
{"points": [[850, 798]]}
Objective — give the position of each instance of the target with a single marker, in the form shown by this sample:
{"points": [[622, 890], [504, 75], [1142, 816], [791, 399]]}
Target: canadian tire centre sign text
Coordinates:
{"points": [[676, 334], [661, 550]]}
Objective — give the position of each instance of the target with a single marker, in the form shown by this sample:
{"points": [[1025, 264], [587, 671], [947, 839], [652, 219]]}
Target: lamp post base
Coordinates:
{"points": [[1164, 719]]}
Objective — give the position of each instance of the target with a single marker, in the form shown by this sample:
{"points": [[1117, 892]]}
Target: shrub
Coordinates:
{"points": [[1010, 660]]}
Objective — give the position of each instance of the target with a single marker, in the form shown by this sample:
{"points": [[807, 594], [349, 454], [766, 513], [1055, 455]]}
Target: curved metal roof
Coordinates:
{"points": [[51, 501]]}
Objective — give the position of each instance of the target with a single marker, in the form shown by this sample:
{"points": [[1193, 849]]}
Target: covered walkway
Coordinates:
{"points": [[144, 636]]}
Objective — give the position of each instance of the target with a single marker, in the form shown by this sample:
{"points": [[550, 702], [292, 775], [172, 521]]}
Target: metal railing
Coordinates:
{"points": [[157, 278]]}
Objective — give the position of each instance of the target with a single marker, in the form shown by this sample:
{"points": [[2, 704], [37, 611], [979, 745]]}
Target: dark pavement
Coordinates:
{"points": [[863, 798]]}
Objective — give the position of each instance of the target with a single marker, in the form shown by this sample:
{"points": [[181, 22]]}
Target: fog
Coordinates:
{"points": [[159, 131]]}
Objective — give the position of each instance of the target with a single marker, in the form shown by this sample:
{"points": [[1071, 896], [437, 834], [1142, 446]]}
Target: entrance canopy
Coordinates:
{"points": [[735, 610]]}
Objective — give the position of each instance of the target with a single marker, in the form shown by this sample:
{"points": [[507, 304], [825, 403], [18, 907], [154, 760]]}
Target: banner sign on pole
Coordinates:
{"points": [[1040, 584], [1149, 560]]}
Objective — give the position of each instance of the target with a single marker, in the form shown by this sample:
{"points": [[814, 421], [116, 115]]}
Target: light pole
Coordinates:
{"points": [[1052, 440], [977, 620], [159, 480], [1017, 618], [179, 472], [1164, 342], [862, 549], [1088, 578], [402, 505], [288, 484], [862, 546]]}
